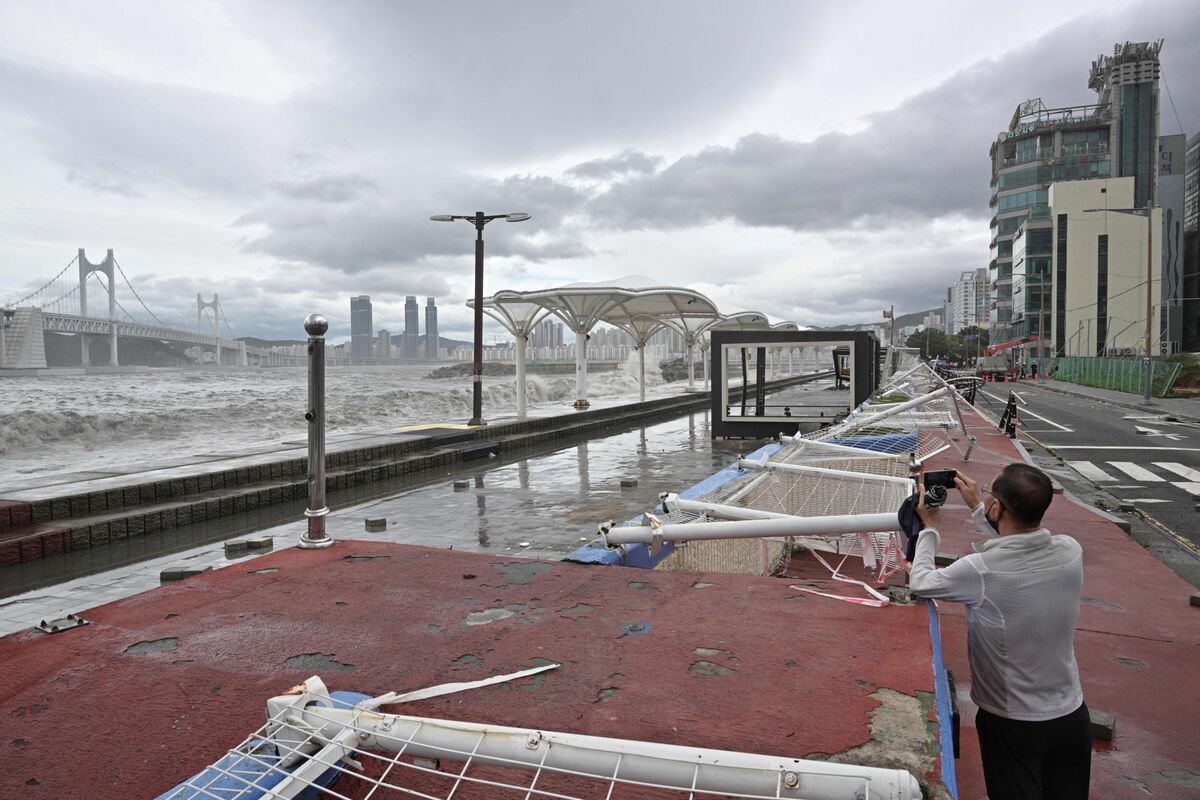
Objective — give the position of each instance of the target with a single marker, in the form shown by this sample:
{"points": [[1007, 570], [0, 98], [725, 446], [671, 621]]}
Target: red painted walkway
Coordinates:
{"points": [[741, 663]]}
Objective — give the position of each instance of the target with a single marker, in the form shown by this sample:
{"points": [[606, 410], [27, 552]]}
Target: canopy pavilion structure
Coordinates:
{"points": [[635, 304]]}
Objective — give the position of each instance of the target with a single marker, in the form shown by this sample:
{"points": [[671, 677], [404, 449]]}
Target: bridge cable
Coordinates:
{"points": [[46, 284], [117, 302], [228, 327], [178, 325], [135, 294]]}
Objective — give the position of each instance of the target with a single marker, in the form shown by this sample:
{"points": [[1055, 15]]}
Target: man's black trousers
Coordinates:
{"points": [[1048, 760]]}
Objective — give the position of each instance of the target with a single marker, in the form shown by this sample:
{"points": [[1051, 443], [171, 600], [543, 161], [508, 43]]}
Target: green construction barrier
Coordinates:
{"points": [[1118, 374]]}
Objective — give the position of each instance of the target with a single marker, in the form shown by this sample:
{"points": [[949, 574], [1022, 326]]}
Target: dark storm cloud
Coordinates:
{"points": [[926, 158], [394, 228], [518, 81], [629, 161], [121, 136]]}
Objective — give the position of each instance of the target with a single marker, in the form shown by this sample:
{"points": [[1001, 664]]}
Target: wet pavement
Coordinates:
{"points": [[543, 505]]}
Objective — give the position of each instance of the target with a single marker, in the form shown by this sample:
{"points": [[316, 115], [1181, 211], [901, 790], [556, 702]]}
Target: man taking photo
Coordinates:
{"points": [[1022, 591]]}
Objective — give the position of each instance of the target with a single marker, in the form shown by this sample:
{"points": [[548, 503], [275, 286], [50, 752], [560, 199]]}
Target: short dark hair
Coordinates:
{"points": [[1025, 491]]}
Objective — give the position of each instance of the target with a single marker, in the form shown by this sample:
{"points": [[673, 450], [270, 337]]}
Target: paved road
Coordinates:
{"points": [[1137, 456]]}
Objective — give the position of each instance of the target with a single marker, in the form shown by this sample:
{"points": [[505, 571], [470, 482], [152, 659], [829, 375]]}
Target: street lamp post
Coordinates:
{"points": [[479, 219], [1148, 213]]}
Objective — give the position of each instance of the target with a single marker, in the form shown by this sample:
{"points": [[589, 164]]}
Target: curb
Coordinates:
{"points": [[1129, 405]]}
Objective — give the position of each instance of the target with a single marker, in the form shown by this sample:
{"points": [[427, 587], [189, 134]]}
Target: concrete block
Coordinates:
{"points": [[1104, 725], [260, 543], [180, 572], [1195, 599], [942, 559], [1126, 506], [628, 483], [460, 485], [235, 546], [376, 524]]}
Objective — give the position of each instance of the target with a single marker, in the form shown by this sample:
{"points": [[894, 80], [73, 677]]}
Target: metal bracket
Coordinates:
{"points": [[61, 624]]}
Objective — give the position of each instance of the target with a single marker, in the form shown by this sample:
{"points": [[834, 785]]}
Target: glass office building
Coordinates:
{"points": [[1116, 136], [361, 334]]}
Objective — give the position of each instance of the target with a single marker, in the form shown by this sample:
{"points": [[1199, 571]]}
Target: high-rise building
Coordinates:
{"points": [[432, 341], [1116, 136], [383, 344], [967, 301], [1191, 247], [360, 326], [412, 328]]}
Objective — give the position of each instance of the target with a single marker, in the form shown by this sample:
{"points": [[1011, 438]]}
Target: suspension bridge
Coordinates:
{"points": [[84, 300]]}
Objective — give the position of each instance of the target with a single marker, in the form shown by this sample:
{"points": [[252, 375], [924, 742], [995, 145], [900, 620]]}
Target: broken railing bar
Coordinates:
{"points": [[745, 463], [844, 451], [752, 529], [673, 502], [900, 409], [630, 762]]}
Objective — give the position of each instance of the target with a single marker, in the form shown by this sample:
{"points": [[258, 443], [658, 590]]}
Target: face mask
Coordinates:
{"points": [[995, 523]]}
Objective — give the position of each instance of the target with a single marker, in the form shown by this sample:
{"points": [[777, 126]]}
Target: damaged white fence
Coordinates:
{"points": [[308, 744]]}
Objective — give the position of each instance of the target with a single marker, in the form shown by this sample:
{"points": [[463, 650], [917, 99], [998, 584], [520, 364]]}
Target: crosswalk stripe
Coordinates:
{"points": [[1179, 469], [1089, 470], [1136, 472], [1190, 488]]}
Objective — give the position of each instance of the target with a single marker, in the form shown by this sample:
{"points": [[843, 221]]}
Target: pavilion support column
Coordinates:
{"points": [[522, 400], [642, 370], [704, 366], [691, 365], [581, 400]]}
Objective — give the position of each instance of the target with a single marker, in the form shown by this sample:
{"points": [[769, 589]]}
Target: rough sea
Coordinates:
{"points": [[77, 423]]}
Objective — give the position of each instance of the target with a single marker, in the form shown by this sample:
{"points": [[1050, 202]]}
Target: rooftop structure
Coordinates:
{"points": [[1116, 136]]}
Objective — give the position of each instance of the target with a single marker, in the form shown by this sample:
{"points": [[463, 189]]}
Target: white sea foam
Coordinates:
{"points": [[130, 421]]}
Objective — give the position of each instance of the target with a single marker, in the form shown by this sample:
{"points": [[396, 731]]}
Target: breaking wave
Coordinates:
{"points": [[134, 420]]}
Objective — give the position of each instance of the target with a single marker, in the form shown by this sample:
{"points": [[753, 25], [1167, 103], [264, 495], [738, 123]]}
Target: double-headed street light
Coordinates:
{"points": [[1148, 213], [479, 219]]}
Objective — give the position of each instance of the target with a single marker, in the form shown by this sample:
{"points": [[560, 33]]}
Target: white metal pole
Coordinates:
{"points": [[745, 463], [581, 400], [522, 400], [642, 370], [691, 363], [753, 529]]}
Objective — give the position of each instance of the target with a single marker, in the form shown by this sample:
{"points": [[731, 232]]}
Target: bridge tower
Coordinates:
{"points": [[215, 305], [86, 268]]}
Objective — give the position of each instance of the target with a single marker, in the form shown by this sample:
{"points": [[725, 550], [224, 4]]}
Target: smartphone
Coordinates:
{"points": [[941, 477]]}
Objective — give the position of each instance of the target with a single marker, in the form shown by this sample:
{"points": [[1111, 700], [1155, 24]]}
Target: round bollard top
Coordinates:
{"points": [[316, 325]]}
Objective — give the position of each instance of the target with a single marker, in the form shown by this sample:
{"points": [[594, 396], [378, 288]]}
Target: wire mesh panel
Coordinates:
{"points": [[308, 749], [730, 556]]}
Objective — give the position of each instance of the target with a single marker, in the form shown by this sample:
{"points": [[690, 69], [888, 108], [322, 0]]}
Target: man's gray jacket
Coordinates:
{"points": [[1022, 595]]}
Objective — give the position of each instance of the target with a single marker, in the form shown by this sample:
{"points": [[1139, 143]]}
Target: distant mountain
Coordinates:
{"points": [[914, 318]]}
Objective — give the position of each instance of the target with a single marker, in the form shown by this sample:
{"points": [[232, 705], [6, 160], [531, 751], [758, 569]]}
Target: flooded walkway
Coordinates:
{"points": [[542, 505]]}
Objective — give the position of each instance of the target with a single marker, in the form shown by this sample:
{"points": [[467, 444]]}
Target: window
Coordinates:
{"points": [[1024, 199], [1093, 142]]}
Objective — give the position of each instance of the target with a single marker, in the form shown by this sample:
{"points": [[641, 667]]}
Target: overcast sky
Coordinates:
{"points": [[816, 162]]}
